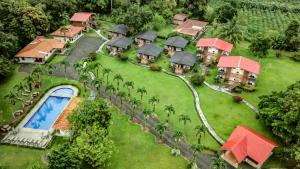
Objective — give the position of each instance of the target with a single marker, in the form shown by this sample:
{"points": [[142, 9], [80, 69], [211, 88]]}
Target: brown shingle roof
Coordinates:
{"points": [[40, 47], [62, 121], [191, 27], [71, 31]]}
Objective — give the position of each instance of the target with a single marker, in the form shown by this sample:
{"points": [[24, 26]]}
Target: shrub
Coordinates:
{"points": [[92, 56], [123, 58], [248, 88], [237, 98], [278, 54], [237, 90], [155, 68], [296, 57], [197, 79]]}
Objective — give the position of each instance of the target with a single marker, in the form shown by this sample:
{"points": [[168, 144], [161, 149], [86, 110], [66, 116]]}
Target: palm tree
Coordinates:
{"points": [[153, 101], [110, 88], [200, 131], [129, 85], [49, 70], [29, 80], [160, 128], [196, 148], [97, 67], [84, 79], [134, 104], [184, 118], [37, 71], [122, 95], [66, 64], [11, 97], [142, 91], [106, 71], [20, 88], [146, 113], [97, 83], [177, 135], [170, 110], [118, 78], [218, 163], [77, 66]]}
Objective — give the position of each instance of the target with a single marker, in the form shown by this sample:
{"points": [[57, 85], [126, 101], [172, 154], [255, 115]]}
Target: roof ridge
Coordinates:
{"points": [[239, 62], [214, 42]]}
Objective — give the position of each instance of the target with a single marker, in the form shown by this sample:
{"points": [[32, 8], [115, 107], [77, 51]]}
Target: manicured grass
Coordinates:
{"points": [[136, 149], [57, 59], [170, 90]]}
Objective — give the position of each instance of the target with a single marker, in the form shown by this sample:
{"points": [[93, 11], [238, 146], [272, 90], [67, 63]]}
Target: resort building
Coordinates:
{"points": [[191, 27], [149, 53], [145, 38], [86, 20], [238, 70], [175, 44], [244, 144], [180, 18], [40, 50], [118, 31], [211, 49], [182, 62], [68, 33], [118, 45]]}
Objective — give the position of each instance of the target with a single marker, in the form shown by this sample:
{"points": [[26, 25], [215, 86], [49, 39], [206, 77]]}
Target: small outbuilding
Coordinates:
{"points": [[145, 38], [180, 18], [149, 53], [118, 31], [119, 45], [245, 144], [211, 49], [68, 33], [175, 44], [238, 70], [86, 20], [182, 62], [191, 27]]}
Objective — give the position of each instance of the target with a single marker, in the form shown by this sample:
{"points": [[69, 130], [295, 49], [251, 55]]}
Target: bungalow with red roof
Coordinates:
{"points": [[211, 49], [86, 20], [40, 50], [238, 70], [180, 18], [191, 27], [68, 33], [244, 144]]}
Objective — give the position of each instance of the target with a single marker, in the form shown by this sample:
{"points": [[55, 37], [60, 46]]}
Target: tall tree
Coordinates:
{"points": [[196, 8], [97, 83], [111, 89], [134, 104], [177, 135], [129, 85], [106, 71], [160, 128], [6, 67], [200, 132], [170, 110], [260, 45], [121, 95], [154, 101], [118, 78], [225, 13], [146, 114], [142, 91], [184, 118]]}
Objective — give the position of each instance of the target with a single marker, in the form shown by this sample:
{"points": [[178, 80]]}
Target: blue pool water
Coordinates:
{"points": [[46, 115], [64, 91]]}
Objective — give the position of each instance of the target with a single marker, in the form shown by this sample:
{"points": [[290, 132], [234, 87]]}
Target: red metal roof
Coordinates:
{"points": [[245, 142], [240, 62], [81, 16], [216, 43]]}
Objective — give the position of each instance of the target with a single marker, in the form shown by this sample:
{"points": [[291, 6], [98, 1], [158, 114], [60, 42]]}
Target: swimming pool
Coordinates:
{"points": [[50, 107], [46, 115]]}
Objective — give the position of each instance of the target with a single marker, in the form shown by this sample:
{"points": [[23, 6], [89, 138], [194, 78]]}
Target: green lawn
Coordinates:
{"points": [[57, 59], [170, 90]]}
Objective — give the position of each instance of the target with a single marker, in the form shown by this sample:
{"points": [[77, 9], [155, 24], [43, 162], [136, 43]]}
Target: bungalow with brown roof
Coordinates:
{"points": [[145, 38], [68, 33], [86, 20], [211, 49], [238, 70], [40, 50], [182, 62], [191, 27], [118, 45], [180, 18], [118, 31], [149, 53], [175, 44]]}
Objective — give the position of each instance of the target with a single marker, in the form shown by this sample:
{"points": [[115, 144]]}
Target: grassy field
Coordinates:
{"points": [[170, 90]]}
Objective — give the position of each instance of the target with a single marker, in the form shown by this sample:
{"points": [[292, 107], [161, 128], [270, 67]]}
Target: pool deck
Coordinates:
{"points": [[36, 137]]}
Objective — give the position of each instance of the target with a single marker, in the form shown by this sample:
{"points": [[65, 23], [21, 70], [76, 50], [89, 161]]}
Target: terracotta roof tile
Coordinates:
{"points": [[81, 16], [71, 31], [191, 27]]}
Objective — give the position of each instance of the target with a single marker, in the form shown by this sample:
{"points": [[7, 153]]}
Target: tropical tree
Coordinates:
{"points": [[97, 67], [200, 131], [97, 83], [177, 135], [6, 67], [64, 30], [49, 69], [11, 97], [84, 79], [134, 104], [37, 71], [170, 110], [184, 119], [106, 71], [121, 95], [153, 101], [196, 148], [118, 78], [141, 91], [78, 66], [146, 112], [66, 64], [218, 163], [29, 80], [260, 45], [160, 128], [129, 85], [111, 89]]}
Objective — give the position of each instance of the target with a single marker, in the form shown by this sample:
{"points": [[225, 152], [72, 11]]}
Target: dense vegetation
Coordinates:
{"points": [[281, 112]]}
